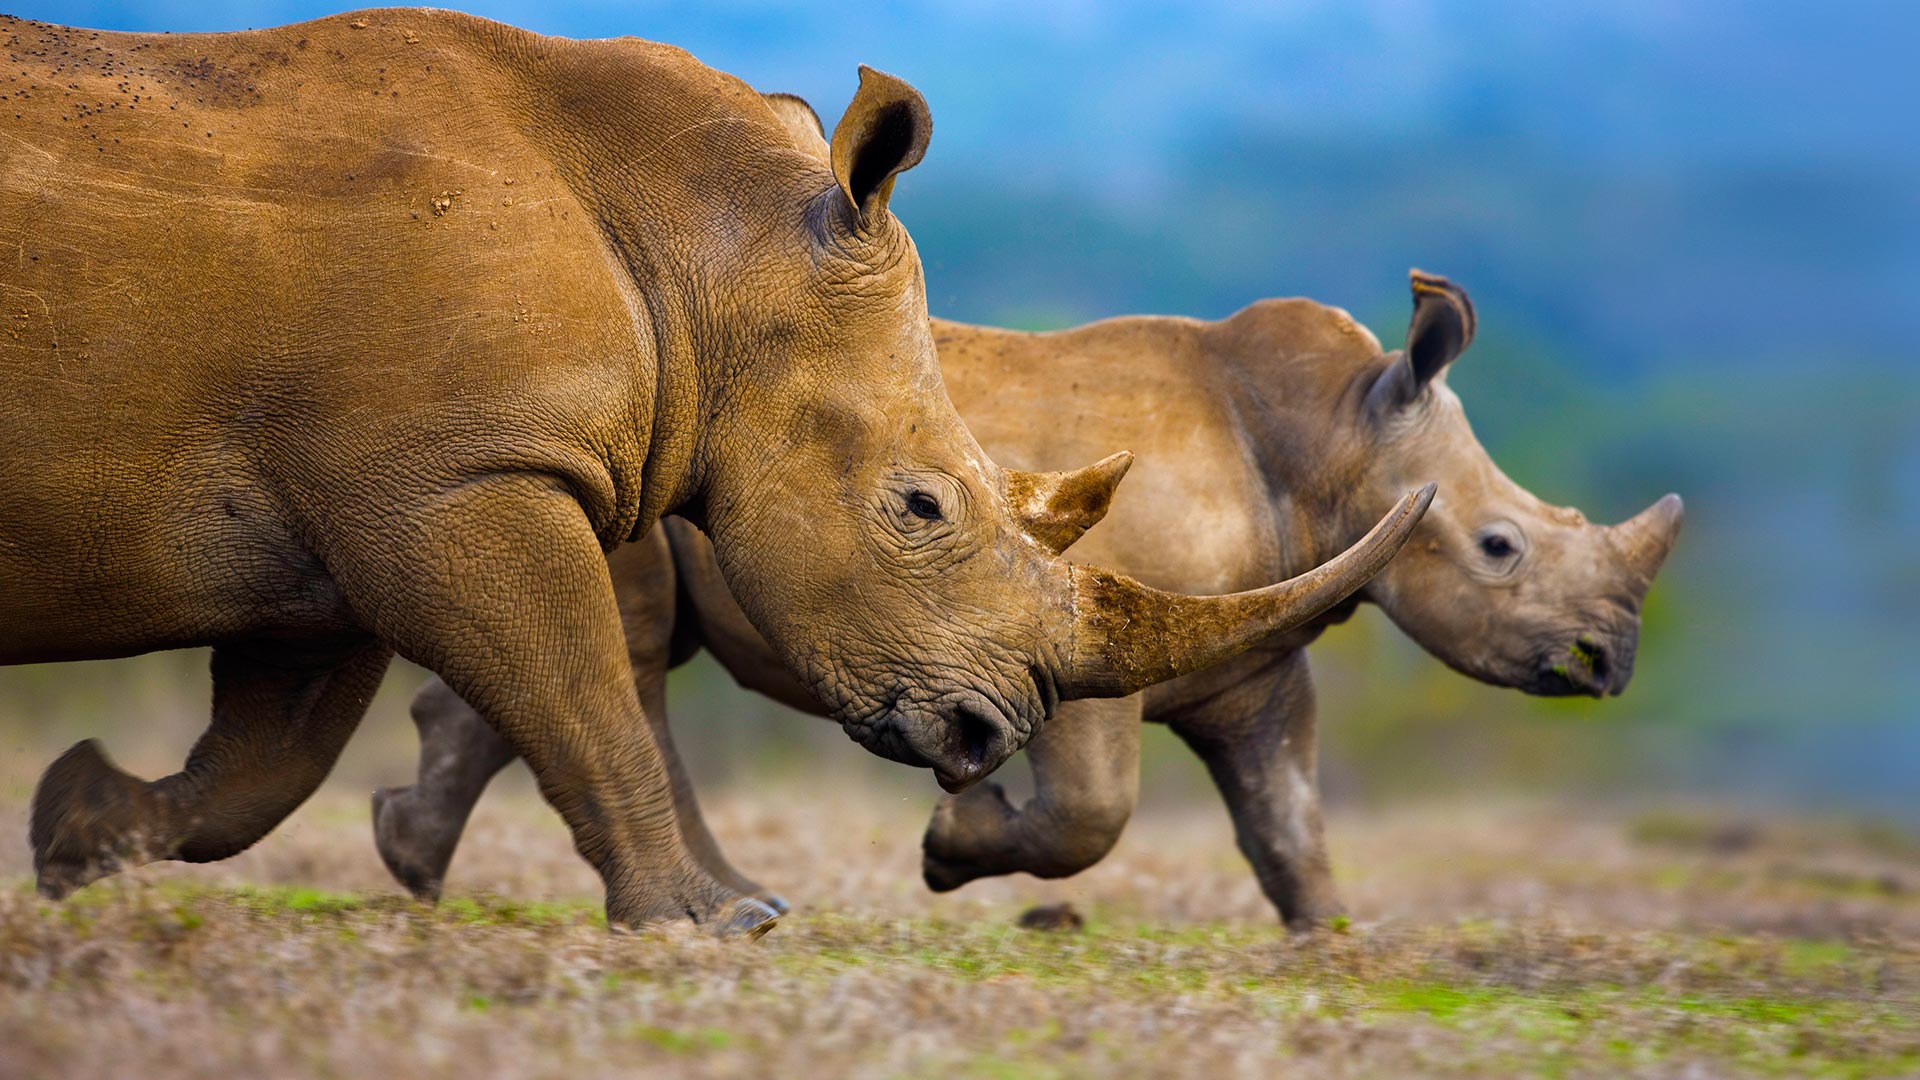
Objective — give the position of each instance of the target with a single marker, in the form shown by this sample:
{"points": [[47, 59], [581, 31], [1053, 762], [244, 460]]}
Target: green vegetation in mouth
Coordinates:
{"points": [[1586, 653]]}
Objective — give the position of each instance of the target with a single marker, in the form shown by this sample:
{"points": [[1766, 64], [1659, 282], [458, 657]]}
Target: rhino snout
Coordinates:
{"points": [[1593, 664], [962, 739]]}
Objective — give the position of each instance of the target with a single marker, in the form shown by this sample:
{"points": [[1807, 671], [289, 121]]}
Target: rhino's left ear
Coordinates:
{"points": [[1442, 328], [884, 133]]}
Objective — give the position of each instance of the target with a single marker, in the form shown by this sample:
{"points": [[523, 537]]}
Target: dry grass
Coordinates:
{"points": [[1521, 939]]}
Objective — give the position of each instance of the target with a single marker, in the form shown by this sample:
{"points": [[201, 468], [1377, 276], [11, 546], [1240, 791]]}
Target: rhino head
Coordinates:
{"points": [[1497, 583], [912, 584]]}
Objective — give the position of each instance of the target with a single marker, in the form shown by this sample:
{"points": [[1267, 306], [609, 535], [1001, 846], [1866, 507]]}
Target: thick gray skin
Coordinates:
{"points": [[1267, 438]]}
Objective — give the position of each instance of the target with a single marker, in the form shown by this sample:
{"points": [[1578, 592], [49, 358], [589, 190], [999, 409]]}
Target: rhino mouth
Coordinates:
{"points": [[1591, 666], [961, 740]]}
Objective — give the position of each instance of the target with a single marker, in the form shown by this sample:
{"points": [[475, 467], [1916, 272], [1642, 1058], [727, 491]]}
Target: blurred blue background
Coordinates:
{"points": [[1692, 232]]}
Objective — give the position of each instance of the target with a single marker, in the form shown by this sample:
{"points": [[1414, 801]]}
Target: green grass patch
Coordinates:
{"points": [[694, 1041]]}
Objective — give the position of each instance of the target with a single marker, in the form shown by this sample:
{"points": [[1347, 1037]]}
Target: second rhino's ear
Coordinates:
{"points": [[883, 133], [801, 122], [1442, 328], [1057, 508]]}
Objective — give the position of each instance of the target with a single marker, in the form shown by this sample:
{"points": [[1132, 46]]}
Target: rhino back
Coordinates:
{"points": [[1191, 516]]}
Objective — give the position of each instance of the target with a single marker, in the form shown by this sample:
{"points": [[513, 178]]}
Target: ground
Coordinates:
{"points": [[1490, 939]]}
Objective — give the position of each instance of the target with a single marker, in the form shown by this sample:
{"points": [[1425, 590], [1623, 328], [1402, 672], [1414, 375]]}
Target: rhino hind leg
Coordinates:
{"points": [[417, 827], [280, 718], [1257, 740], [1086, 778]]}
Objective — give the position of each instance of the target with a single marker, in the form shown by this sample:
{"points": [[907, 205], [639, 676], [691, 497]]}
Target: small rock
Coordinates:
{"points": [[1058, 918]]}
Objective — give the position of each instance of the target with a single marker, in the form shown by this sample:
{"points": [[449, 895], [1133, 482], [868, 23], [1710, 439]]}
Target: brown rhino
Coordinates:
{"points": [[371, 335], [1268, 439]]}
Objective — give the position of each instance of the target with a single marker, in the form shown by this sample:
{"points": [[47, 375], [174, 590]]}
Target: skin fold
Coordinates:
{"points": [[372, 335], [1266, 440]]}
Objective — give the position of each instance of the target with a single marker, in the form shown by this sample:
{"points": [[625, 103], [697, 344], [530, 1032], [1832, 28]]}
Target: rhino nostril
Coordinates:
{"points": [[979, 734], [1594, 656]]}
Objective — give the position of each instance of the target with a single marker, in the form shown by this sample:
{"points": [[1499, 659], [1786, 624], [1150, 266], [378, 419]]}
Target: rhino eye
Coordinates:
{"points": [[1495, 546], [923, 506]]}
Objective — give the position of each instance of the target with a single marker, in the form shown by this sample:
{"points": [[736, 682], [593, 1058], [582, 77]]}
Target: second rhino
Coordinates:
{"points": [[1269, 440]]}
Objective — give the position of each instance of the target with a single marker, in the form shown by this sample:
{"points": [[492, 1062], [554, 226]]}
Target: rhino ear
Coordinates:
{"points": [[801, 122], [1442, 328], [883, 133]]}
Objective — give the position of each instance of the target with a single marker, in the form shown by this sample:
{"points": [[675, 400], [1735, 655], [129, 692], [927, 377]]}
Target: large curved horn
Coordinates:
{"points": [[1057, 508], [1646, 539], [1127, 636]]}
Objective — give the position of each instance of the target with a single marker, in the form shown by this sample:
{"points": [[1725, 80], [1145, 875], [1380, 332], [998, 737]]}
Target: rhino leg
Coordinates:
{"points": [[1086, 777], [686, 807], [417, 827], [499, 586], [281, 715], [1257, 739]]}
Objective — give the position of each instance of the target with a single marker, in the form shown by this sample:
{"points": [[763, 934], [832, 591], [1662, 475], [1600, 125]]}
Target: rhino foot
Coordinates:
{"points": [[969, 834], [750, 919], [416, 847], [726, 914], [89, 820]]}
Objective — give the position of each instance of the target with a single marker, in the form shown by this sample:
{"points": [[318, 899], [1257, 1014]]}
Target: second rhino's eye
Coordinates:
{"points": [[1496, 546], [923, 506]]}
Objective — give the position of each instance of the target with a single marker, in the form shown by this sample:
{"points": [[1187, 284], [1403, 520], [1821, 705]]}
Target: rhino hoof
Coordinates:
{"points": [[943, 876], [398, 846], [777, 902], [750, 919], [85, 820]]}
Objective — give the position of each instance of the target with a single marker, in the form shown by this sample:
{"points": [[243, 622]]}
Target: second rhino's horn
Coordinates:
{"points": [[1646, 539], [1126, 636], [1056, 508]]}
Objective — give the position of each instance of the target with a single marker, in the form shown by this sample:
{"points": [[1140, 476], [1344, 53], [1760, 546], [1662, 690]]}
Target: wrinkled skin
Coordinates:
{"points": [[1268, 438], [372, 335]]}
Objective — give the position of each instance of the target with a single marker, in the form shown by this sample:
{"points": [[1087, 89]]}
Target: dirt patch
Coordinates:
{"points": [[1484, 940]]}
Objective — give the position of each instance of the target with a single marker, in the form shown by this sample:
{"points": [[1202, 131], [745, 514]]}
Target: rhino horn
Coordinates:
{"points": [[1057, 508], [1646, 539], [1127, 636]]}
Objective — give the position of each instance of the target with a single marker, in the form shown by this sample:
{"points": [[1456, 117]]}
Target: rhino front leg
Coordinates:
{"points": [[499, 586], [1257, 739], [418, 827], [1086, 777], [686, 806], [281, 714]]}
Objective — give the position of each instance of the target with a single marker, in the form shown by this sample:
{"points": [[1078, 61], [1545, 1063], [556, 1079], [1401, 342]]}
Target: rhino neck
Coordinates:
{"points": [[677, 164]]}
